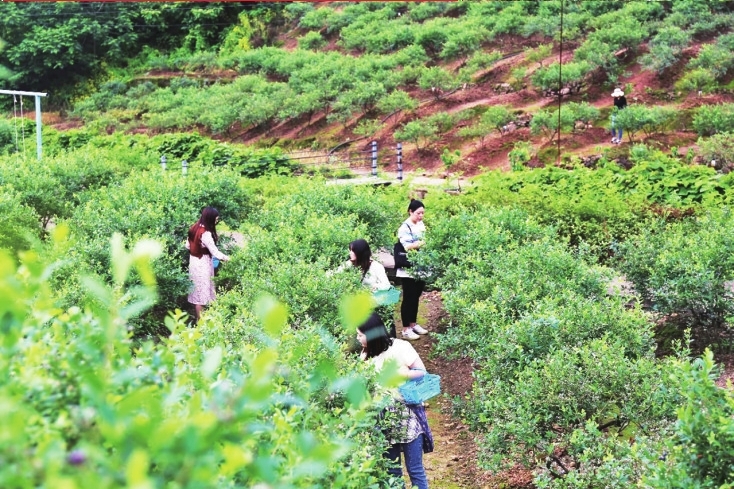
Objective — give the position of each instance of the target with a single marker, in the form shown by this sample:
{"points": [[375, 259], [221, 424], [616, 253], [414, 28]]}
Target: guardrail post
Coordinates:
{"points": [[184, 167], [400, 162], [374, 158], [163, 162]]}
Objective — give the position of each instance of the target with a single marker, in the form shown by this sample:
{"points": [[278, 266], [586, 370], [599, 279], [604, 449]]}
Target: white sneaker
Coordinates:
{"points": [[418, 329], [615, 140], [409, 334]]}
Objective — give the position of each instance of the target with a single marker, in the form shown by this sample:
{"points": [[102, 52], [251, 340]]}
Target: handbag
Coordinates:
{"points": [[417, 391], [401, 256]]}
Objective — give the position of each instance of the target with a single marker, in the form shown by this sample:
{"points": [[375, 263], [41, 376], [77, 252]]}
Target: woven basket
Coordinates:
{"points": [[387, 297], [420, 390]]}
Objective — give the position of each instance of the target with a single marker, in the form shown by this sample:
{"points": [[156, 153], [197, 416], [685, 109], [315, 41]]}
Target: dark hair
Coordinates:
{"points": [[378, 339], [363, 254], [208, 219], [414, 205]]}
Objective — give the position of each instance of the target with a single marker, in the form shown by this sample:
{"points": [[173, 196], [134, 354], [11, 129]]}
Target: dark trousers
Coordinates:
{"points": [[412, 290]]}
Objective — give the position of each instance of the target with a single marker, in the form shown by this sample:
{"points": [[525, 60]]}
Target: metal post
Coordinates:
{"points": [[39, 143], [38, 96], [374, 158], [163, 162], [184, 167], [400, 162]]}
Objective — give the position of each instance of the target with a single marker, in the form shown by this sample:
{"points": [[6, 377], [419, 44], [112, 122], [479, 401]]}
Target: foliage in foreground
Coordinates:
{"points": [[700, 454], [87, 407]]}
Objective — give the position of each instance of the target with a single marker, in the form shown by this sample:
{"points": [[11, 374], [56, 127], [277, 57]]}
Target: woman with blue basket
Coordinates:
{"points": [[405, 425]]}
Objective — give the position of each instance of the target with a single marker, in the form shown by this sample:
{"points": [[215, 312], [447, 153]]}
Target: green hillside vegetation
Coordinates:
{"points": [[338, 66], [105, 383]]}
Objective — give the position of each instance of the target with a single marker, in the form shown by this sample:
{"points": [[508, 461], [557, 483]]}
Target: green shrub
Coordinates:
{"points": [[311, 40], [286, 411], [683, 269], [712, 119], [156, 205], [697, 79], [719, 148], [553, 399], [649, 120], [701, 451], [19, 222]]}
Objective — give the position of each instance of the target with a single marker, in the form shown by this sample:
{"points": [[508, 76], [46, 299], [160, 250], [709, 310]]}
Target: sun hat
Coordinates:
{"points": [[617, 93]]}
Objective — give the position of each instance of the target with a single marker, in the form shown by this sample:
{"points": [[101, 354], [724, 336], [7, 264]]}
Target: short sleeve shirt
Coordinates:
{"points": [[409, 232], [400, 422]]}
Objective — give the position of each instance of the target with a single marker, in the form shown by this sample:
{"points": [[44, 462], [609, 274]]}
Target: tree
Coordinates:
{"points": [[418, 132], [497, 117], [438, 80], [538, 54], [68, 43], [396, 101]]}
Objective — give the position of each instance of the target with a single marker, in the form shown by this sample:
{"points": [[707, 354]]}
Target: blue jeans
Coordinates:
{"points": [[615, 130], [413, 453]]}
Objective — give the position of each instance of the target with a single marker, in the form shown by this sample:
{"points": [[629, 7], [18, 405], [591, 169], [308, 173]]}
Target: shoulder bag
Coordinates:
{"points": [[401, 255]]}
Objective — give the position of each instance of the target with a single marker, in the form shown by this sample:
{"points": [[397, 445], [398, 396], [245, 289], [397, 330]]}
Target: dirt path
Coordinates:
{"points": [[453, 464]]}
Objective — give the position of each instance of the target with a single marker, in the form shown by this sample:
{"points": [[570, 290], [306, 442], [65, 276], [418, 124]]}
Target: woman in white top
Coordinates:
{"points": [[373, 276], [405, 425], [373, 273], [410, 234]]}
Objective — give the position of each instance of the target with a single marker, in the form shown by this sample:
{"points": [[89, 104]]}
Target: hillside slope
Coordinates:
{"points": [[426, 74]]}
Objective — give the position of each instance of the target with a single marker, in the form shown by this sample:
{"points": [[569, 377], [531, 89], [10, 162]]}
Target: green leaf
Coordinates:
{"points": [[136, 471], [273, 315], [212, 361], [355, 309]]}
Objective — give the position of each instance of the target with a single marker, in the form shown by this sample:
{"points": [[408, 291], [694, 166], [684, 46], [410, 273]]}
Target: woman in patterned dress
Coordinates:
{"points": [[202, 246]]}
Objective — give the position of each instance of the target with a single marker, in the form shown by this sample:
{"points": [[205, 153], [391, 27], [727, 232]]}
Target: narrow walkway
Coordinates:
{"points": [[453, 464]]}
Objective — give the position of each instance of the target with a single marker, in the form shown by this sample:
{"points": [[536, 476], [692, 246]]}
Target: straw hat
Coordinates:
{"points": [[617, 93]]}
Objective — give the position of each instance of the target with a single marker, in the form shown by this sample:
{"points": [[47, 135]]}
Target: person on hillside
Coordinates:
{"points": [[410, 235], [620, 103], [405, 425], [202, 245]]}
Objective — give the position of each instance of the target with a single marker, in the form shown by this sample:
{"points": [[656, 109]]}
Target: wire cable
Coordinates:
{"points": [[560, 87]]}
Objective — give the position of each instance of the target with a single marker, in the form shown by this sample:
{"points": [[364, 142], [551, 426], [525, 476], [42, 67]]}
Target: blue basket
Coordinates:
{"points": [[387, 297], [420, 390]]}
